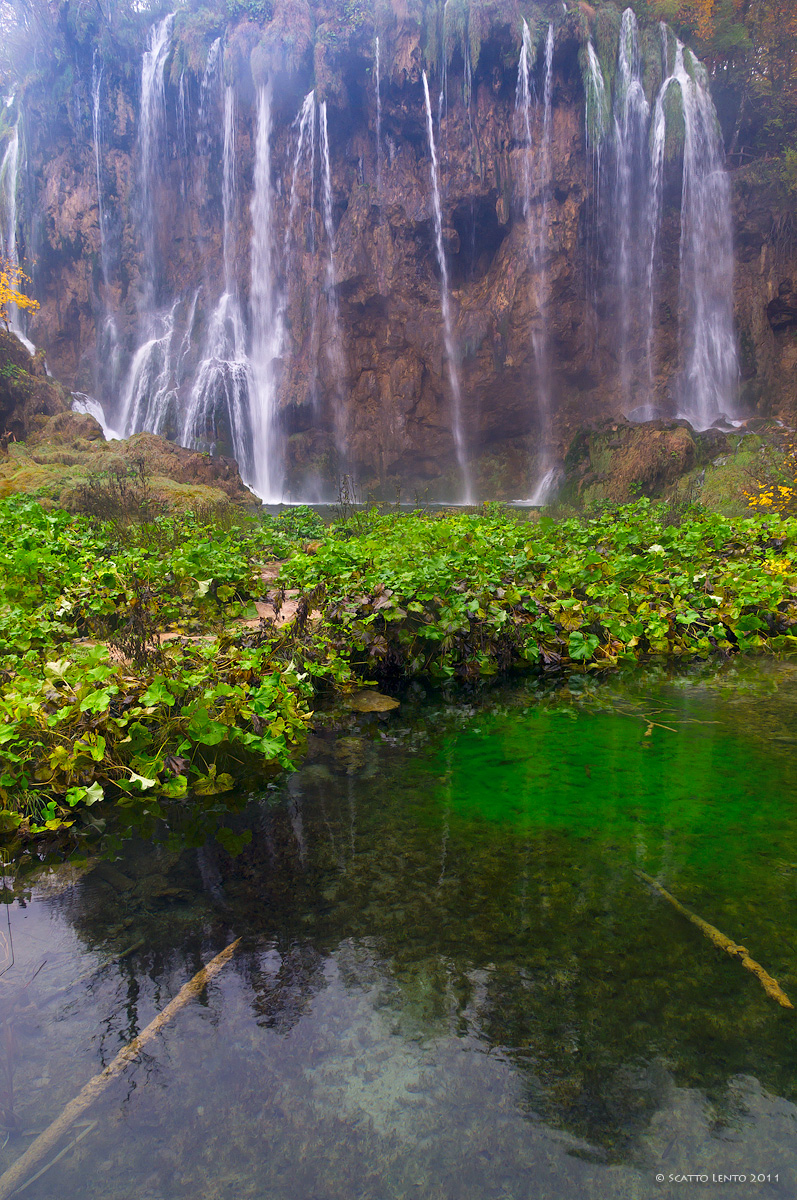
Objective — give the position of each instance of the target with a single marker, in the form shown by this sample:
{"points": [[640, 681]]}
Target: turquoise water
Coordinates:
{"points": [[450, 983]]}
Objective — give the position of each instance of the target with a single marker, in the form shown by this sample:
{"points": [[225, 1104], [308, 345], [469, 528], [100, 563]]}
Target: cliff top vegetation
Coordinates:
{"points": [[748, 45]]}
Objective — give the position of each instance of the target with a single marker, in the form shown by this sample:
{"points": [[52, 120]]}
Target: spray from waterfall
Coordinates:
{"points": [[448, 332], [266, 323]]}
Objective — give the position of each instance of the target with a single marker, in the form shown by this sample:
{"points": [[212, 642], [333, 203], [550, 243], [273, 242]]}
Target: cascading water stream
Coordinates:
{"points": [[295, 239], [540, 230], [305, 144], [334, 335], [108, 348], [378, 82], [536, 177], [150, 389], [708, 341], [631, 121], [224, 382], [448, 332], [90, 407], [596, 128], [96, 125], [151, 128], [658, 132], [524, 97], [706, 334], [183, 133], [150, 385], [9, 170], [264, 475]]}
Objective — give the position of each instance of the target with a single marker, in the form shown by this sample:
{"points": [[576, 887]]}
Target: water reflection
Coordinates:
{"points": [[450, 981]]}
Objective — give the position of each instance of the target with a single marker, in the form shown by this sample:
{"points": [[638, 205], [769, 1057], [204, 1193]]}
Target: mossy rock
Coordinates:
{"points": [[27, 394], [616, 462], [67, 454]]}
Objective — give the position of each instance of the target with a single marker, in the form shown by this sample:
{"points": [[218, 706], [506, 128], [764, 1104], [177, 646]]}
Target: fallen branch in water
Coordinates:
{"points": [[15, 1176], [770, 985]]}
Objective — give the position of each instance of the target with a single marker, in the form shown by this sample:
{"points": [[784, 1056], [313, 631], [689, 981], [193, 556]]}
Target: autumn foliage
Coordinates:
{"points": [[750, 48], [12, 281]]}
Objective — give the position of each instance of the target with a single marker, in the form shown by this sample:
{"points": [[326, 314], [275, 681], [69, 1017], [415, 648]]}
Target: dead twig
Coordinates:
{"points": [[15, 1176], [770, 985]]}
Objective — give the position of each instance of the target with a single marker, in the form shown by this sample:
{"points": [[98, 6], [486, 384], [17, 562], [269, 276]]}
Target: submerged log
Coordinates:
{"points": [[15, 1176], [770, 985]]}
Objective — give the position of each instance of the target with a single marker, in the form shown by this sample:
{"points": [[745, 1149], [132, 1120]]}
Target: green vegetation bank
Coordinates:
{"points": [[151, 661]]}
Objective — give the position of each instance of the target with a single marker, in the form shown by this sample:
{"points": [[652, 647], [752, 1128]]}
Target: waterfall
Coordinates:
{"points": [[96, 126], [448, 333], [224, 381], [89, 406], [150, 388], [108, 348], [658, 132], [305, 139], [378, 125], [208, 91], [151, 128], [9, 170], [596, 130], [631, 119], [303, 153], [596, 103], [8, 181], [711, 368], [709, 362], [228, 190], [523, 103], [334, 339], [183, 134], [265, 474], [536, 206]]}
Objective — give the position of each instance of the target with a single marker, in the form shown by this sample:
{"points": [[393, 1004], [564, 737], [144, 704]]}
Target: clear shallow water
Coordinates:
{"points": [[450, 983]]}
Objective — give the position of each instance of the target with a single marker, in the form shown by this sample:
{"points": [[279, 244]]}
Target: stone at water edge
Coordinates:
{"points": [[366, 701]]}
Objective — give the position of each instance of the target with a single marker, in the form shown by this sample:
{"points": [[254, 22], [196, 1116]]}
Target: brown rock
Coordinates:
{"points": [[367, 701]]}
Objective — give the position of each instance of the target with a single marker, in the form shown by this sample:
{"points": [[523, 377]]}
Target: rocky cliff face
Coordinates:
{"points": [[766, 294], [361, 378]]}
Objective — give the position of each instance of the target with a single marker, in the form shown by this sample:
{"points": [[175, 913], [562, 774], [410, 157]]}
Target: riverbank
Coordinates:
{"points": [[154, 659]]}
